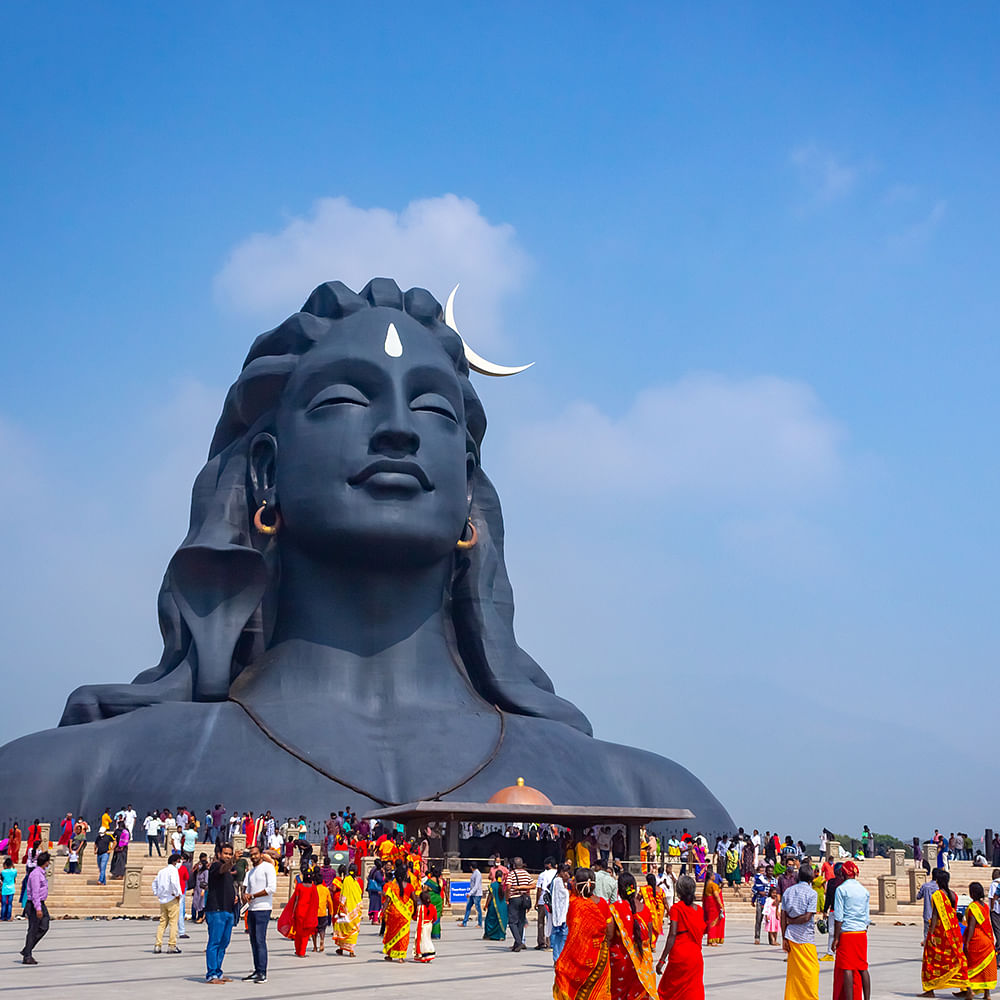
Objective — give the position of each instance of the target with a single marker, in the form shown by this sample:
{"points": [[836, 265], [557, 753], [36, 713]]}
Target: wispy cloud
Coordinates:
{"points": [[434, 243], [824, 176], [706, 436], [919, 233]]}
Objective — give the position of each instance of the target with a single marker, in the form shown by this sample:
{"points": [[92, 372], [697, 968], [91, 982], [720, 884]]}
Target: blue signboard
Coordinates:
{"points": [[459, 890]]}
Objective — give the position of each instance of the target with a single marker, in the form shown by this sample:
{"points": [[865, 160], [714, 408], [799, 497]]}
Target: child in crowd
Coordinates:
{"points": [[772, 918]]}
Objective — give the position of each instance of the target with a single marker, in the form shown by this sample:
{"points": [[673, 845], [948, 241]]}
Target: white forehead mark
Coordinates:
{"points": [[393, 345]]}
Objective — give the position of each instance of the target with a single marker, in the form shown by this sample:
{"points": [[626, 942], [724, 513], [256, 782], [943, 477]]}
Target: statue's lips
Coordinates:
{"points": [[385, 473]]}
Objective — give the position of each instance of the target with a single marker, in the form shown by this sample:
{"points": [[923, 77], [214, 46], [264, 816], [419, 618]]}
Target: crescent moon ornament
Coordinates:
{"points": [[476, 361]]}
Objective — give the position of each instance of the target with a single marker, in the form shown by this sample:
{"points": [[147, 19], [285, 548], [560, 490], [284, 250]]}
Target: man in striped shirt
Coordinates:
{"points": [[517, 888]]}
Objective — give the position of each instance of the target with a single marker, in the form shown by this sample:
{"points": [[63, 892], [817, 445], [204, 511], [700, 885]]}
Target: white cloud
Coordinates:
{"points": [[919, 233], [825, 177], [705, 436], [434, 243]]}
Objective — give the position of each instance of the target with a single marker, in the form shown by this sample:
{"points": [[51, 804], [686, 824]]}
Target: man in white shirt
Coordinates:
{"points": [[475, 897], [604, 843], [259, 886], [556, 920], [129, 816], [666, 881], [994, 896], [167, 890], [151, 826], [543, 882]]}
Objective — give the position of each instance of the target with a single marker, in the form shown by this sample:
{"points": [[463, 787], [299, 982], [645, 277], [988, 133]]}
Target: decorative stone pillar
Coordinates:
{"points": [[44, 831], [916, 881], [132, 886], [930, 854], [897, 862], [833, 851], [239, 842], [887, 894]]}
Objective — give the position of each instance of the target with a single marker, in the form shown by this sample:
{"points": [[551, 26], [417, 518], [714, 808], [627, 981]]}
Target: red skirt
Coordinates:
{"points": [[852, 956]]}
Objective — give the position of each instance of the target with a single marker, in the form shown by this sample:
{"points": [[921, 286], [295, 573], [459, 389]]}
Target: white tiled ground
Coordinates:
{"points": [[107, 959]]}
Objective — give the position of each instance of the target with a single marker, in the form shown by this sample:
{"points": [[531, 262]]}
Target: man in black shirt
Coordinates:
{"points": [[102, 847], [220, 903]]}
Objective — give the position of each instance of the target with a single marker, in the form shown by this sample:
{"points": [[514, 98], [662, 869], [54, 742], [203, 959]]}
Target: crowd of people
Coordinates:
{"points": [[602, 923]]}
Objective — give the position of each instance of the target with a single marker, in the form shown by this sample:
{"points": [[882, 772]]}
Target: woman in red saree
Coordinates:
{"points": [[583, 971], [14, 843], [66, 831], [979, 947], [630, 954], [684, 978], [944, 965], [715, 910], [654, 899], [397, 913], [300, 916]]}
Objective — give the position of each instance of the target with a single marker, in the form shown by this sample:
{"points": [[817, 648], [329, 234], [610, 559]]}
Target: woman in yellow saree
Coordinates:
{"points": [[348, 918], [979, 947], [944, 964], [655, 902], [397, 910]]}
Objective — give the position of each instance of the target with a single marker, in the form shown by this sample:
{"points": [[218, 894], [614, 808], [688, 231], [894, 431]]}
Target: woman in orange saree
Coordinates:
{"points": [[684, 978], [300, 916], [653, 897], [944, 965], [397, 912], [630, 954], [348, 915], [583, 971], [979, 947], [715, 910]]}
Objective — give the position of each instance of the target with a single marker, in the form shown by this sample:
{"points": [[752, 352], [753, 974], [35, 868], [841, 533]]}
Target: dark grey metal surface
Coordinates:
{"points": [[356, 656]]}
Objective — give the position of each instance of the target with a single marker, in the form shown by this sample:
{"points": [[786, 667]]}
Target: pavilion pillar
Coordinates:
{"points": [[988, 846], [632, 842], [452, 854]]}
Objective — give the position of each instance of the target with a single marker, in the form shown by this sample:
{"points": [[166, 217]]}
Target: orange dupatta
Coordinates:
{"points": [[398, 911], [982, 955], [583, 971], [944, 963], [653, 898]]}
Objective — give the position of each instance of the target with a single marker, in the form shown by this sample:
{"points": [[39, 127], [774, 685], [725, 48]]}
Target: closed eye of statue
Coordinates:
{"points": [[432, 402], [334, 395]]}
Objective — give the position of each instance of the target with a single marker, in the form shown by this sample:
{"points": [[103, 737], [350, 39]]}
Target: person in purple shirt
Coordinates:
{"points": [[38, 914]]}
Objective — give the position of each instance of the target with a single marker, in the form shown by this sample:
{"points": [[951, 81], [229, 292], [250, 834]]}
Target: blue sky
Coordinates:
{"points": [[750, 484]]}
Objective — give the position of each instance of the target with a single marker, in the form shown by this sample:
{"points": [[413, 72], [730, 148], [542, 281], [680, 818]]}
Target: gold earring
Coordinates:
{"points": [[463, 545], [258, 521]]}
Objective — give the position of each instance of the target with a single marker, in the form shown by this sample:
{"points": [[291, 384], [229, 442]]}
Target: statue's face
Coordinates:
{"points": [[371, 463]]}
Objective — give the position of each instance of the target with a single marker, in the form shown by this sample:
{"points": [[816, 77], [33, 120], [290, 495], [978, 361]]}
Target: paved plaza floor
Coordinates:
{"points": [[86, 959]]}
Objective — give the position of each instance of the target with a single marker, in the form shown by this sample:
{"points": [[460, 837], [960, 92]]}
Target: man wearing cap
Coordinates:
{"points": [[851, 914]]}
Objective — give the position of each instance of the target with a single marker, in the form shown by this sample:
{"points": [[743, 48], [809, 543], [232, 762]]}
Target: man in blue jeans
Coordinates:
{"points": [[259, 887], [475, 897], [102, 847], [220, 903]]}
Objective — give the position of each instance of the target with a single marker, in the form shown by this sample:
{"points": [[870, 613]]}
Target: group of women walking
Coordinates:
{"points": [[403, 898], [609, 946], [324, 897]]}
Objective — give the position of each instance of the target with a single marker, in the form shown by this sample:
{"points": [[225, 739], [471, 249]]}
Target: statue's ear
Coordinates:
{"points": [[263, 463]]}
